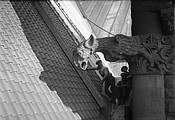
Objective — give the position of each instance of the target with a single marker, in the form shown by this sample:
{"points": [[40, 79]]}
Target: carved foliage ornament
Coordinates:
{"points": [[160, 49]]}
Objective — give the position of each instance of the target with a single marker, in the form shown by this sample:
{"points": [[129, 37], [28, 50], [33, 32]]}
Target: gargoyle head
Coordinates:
{"points": [[84, 51]]}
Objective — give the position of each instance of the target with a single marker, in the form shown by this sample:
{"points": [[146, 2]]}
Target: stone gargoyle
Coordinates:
{"points": [[155, 48]]}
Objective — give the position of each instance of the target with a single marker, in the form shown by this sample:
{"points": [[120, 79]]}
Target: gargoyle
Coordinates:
{"points": [[154, 47]]}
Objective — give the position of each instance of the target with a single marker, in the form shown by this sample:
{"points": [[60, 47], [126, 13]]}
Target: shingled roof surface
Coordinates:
{"points": [[37, 80]]}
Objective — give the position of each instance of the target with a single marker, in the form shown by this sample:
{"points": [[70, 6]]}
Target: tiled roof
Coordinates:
{"points": [[37, 81]]}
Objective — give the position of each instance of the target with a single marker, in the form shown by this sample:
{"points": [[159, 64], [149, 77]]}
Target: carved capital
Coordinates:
{"points": [[140, 65], [157, 55]]}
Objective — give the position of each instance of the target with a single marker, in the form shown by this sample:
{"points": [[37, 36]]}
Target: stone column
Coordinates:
{"points": [[148, 80], [148, 93], [148, 97]]}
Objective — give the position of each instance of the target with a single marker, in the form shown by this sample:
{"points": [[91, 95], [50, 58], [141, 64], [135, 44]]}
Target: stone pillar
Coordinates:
{"points": [[148, 101], [148, 97], [148, 81]]}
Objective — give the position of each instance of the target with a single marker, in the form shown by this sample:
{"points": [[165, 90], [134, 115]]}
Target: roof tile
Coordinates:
{"points": [[47, 116], [12, 110], [9, 117], [60, 107], [41, 106], [23, 118], [38, 108], [3, 110], [29, 97], [53, 116], [49, 108], [45, 110], [28, 109], [17, 86], [3, 67], [35, 110], [3, 84], [65, 116], [31, 108], [4, 43], [6, 96], [19, 109]]}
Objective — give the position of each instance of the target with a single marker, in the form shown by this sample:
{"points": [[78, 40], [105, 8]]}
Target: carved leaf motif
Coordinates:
{"points": [[160, 49], [166, 40], [150, 42], [165, 53], [138, 65]]}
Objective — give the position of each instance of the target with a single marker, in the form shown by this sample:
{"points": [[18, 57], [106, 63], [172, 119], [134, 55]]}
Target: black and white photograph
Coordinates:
{"points": [[87, 60]]}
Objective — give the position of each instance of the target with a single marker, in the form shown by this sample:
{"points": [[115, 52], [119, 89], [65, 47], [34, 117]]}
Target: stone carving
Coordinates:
{"points": [[161, 50], [153, 52]]}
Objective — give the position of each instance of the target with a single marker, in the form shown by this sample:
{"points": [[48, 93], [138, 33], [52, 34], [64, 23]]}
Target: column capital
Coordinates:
{"points": [[156, 54]]}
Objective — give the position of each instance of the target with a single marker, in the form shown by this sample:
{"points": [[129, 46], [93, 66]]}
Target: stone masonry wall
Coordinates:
{"points": [[167, 20]]}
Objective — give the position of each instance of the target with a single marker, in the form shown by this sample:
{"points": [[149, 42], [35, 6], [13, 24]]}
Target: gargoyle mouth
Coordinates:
{"points": [[81, 64], [84, 65]]}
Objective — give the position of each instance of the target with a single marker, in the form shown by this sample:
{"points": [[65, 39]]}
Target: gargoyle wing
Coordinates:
{"points": [[124, 43]]}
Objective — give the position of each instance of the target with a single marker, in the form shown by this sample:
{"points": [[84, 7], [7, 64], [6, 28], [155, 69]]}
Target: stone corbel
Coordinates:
{"points": [[146, 54]]}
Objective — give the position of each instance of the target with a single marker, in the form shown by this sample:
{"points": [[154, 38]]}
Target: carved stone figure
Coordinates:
{"points": [[154, 50]]}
